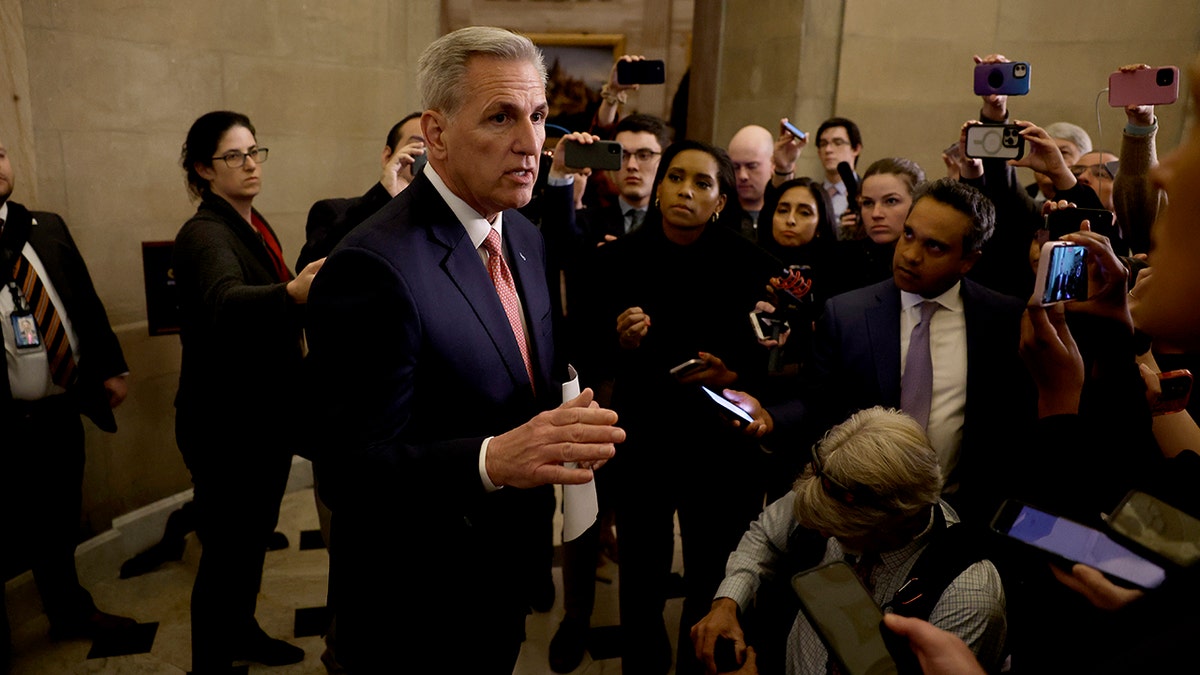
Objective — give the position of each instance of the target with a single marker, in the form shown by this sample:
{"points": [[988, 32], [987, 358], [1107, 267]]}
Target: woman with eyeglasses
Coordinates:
{"points": [[240, 314]]}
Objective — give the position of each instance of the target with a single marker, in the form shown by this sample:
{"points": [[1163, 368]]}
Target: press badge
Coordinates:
{"points": [[24, 325]]}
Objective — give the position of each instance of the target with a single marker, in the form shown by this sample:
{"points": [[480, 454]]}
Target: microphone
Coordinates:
{"points": [[847, 173]]}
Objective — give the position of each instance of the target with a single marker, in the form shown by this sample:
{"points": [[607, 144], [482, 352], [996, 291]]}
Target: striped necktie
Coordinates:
{"points": [[54, 334]]}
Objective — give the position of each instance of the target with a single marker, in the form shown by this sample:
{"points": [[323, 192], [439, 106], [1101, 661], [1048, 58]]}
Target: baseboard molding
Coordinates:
{"points": [[100, 557]]}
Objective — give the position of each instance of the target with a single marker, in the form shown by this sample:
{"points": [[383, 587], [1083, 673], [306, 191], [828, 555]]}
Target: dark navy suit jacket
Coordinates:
{"points": [[413, 364], [857, 365]]}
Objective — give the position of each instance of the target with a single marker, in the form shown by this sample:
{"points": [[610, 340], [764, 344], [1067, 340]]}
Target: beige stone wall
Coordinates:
{"points": [[906, 69], [98, 94], [107, 90]]}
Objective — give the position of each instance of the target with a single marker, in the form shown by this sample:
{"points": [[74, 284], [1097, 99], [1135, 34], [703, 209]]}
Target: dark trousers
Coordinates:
{"points": [[239, 483], [41, 476], [710, 482]]}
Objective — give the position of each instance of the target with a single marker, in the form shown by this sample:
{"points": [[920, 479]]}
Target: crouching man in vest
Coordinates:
{"points": [[871, 498]]}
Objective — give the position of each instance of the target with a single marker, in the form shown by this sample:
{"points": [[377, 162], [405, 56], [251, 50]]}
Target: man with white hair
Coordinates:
{"points": [[873, 489]]}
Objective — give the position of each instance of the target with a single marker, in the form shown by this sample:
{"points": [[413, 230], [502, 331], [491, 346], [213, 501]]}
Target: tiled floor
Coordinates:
{"points": [[293, 579]]}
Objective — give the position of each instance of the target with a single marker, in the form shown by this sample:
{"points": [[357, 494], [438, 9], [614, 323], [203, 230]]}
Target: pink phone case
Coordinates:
{"points": [[1143, 87]]}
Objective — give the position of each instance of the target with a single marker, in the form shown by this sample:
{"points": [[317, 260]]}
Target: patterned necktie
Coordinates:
{"points": [[502, 279], [916, 385], [54, 334]]}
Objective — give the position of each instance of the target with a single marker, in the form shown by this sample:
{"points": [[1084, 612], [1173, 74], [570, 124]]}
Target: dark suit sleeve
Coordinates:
{"points": [[331, 219], [366, 342], [100, 356]]}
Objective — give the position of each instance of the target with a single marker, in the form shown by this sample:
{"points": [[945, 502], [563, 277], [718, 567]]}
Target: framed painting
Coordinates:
{"points": [[578, 65]]}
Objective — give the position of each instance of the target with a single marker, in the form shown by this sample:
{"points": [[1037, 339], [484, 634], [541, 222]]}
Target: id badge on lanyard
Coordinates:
{"points": [[24, 325]]}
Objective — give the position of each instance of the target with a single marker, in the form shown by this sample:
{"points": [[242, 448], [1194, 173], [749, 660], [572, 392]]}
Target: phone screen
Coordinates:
{"points": [[1066, 275], [846, 617], [1083, 544], [793, 130], [728, 405], [1159, 527]]}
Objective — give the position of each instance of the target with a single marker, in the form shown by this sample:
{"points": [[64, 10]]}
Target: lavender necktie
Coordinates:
{"points": [[916, 385]]}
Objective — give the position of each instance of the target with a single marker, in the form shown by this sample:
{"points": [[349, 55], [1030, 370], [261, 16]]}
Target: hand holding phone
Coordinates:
{"points": [[596, 155], [794, 130], [997, 141], [846, 618], [1146, 86], [1068, 542], [728, 406], [1175, 389], [688, 367], [1009, 79], [641, 71], [1062, 273]]}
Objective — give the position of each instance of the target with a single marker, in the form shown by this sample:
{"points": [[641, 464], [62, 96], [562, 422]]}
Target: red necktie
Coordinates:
{"points": [[54, 334], [502, 279]]}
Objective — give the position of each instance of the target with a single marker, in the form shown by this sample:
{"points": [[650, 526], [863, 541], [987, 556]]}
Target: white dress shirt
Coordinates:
{"points": [[29, 369], [948, 351]]}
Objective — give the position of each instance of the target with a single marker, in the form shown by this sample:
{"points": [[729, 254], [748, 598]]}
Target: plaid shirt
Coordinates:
{"points": [[972, 607]]}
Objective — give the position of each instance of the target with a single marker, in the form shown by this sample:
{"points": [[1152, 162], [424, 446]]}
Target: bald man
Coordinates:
{"points": [[750, 149]]}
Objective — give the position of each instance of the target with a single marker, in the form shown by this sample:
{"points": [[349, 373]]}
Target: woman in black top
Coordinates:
{"points": [[240, 325], [679, 288]]}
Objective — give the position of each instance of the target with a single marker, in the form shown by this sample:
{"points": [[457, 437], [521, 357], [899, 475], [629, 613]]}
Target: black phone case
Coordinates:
{"points": [[598, 155], [648, 71]]}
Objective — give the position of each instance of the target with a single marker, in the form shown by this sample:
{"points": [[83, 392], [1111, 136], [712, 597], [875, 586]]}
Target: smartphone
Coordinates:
{"points": [[1069, 542], [597, 155], [999, 141], [846, 618], [793, 130], [1154, 86], [1176, 390], [688, 367], [767, 326], [1068, 220], [953, 151], [646, 71], [1011, 79], [728, 405], [1062, 273], [1158, 527], [419, 162]]}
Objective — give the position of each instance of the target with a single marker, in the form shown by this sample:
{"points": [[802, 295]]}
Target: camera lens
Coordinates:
{"points": [[1020, 70], [1165, 77]]}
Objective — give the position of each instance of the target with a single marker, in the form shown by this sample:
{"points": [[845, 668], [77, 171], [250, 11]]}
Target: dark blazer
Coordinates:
{"points": [[330, 219], [100, 355], [240, 331], [857, 365], [413, 363]]}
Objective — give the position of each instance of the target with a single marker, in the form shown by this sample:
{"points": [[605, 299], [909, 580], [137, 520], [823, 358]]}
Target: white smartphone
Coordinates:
{"points": [[1062, 273], [728, 405]]}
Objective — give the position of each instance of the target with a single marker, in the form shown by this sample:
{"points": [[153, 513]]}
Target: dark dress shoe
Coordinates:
{"points": [[90, 626], [568, 644], [264, 649]]}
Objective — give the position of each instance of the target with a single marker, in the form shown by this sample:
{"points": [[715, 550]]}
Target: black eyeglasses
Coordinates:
{"points": [[234, 159], [1106, 170], [644, 155], [836, 142], [833, 488]]}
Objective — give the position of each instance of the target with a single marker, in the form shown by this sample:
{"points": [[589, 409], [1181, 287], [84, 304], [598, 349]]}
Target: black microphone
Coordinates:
{"points": [[851, 180]]}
